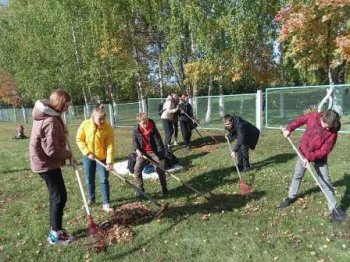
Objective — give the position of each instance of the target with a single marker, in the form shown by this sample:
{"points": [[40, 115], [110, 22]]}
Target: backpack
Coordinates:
{"points": [[160, 109], [170, 160]]}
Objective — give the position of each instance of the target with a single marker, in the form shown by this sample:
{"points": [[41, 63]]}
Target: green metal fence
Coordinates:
{"points": [[284, 104]]}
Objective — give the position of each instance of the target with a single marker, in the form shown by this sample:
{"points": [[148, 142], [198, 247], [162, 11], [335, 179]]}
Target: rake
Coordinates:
{"points": [[146, 156], [337, 213], [93, 228], [196, 122], [161, 207], [244, 188]]}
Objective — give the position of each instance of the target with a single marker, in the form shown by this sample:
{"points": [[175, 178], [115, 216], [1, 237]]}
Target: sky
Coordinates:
{"points": [[3, 1]]}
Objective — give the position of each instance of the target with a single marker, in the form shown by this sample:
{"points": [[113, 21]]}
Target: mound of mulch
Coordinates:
{"points": [[118, 229], [131, 214]]}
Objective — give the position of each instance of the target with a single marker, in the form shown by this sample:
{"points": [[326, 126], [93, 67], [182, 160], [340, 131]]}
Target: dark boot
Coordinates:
{"points": [[138, 195], [287, 202], [165, 192]]}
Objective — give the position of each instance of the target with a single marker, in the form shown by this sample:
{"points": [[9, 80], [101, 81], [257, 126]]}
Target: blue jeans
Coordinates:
{"points": [[91, 168]]}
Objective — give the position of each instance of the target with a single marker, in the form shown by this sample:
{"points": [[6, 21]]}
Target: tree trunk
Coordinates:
{"points": [[221, 93], [210, 88], [160, 61], [79, 65]]}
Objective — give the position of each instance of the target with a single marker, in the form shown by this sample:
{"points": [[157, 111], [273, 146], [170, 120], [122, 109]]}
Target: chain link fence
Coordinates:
{"points": [[280, 105], [283, 105]]}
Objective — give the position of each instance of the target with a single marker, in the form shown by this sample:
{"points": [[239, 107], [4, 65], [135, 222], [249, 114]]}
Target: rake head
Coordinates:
{"points": [[96, 239], [244, 188]]}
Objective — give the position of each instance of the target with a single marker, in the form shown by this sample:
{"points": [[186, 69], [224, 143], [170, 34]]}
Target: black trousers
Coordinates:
{"points": [[169, 130], [243, 157], [176, 128], [186, 130], [57, 195]]}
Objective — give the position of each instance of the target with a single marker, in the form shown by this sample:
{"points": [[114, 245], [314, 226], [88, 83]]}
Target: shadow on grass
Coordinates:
{"points": [[15, 170], [345, 201], [273, 160], [215, 204], [206, 138]]}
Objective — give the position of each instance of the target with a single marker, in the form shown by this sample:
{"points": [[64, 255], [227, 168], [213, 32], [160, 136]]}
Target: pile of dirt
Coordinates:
{"points": [[206, 148]]}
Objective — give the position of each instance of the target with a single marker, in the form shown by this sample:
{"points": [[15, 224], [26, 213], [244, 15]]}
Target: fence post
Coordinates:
{"points": [[144, 105], [111, 115], [258, 109], [24, 113], [14, 114]]}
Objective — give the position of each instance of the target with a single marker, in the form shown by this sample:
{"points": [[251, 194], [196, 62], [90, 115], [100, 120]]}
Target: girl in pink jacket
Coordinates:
{"points": [[48, 152]]}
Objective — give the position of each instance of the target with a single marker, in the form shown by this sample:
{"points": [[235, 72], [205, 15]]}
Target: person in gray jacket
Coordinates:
{"points": [[48, 152]]}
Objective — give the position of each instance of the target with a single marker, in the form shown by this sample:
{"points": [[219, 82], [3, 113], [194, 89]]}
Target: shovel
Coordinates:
{"points": [[244, 188]]}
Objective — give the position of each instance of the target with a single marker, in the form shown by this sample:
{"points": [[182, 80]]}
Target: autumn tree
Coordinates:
{"points": [[314, 34]]}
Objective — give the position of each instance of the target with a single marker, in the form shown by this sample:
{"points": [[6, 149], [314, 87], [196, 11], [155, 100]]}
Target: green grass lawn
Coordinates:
{"points": [[237, 228]]}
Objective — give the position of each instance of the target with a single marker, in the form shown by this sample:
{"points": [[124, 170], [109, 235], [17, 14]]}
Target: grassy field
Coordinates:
{"points": [[235, 229]]}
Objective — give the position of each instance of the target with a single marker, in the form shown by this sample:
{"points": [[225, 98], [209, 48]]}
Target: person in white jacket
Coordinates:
{"points": [[169, 109]]}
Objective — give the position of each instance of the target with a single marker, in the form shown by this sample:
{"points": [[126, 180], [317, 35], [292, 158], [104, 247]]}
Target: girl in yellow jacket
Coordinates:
{"points": [[95, 139]]}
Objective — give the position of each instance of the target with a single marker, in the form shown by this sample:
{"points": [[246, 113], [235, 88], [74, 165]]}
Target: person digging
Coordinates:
{"points": [[246, 136]]}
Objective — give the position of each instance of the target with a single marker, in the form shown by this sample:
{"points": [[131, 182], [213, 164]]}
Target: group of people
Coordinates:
{"points": [[174, 110], [95, 139]]}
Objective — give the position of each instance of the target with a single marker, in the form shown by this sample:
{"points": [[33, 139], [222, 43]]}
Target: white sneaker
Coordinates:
{"points": [[107, 208], [176, 143]]}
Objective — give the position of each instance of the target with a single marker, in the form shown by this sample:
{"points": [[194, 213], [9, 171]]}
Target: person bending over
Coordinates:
{"points": [[147, 140], [316, 144], [247, 136]]}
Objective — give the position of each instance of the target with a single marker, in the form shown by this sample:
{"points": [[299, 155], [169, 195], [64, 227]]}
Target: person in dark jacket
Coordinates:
{"points": [[186, 123], [316, 144], [247, 136], [48, 152], [146, 139]]}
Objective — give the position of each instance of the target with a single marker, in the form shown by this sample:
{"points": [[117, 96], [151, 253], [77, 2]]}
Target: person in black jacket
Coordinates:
{"points": [[247, 136], [186, 123], [147, 140]]}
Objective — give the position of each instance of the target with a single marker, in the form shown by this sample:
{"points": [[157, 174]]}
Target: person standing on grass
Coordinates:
{"points": [[95, 139], [167, 117], [186, 123], [176, 119], [48, 152], [146, 139], [316, 144], [247, 136]]}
